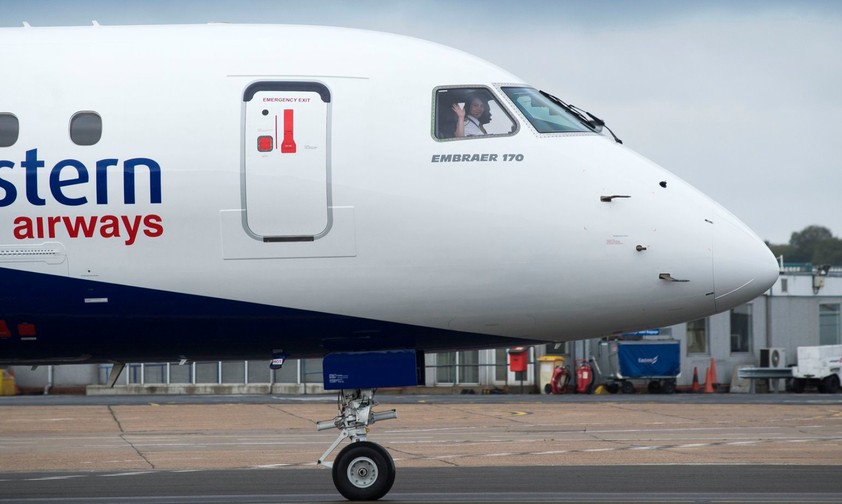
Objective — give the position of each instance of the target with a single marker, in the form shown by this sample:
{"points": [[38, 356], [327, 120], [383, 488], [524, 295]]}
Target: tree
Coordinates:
{"points": [[813, 244], [828, 251], [805, 242]]}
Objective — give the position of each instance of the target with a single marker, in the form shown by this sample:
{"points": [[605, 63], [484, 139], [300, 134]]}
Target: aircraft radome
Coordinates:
{"points": [[242, 192]]}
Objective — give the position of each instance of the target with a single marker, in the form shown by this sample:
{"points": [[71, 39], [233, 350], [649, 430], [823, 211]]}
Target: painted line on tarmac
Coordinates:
{"points": [[626, 448], [52, 478], [135, 473]]}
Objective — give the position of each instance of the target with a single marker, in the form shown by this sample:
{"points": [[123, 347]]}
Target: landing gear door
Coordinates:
{"points": [[285, 180]]}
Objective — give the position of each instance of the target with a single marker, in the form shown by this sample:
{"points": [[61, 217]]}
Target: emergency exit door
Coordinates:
{"points": [[286, 162]]}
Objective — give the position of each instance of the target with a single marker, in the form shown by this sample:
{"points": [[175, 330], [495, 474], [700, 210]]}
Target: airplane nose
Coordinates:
{"points": [[743, 266]]}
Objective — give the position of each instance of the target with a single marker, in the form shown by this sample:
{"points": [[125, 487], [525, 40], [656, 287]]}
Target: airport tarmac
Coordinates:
{"points": [[524, 441]]}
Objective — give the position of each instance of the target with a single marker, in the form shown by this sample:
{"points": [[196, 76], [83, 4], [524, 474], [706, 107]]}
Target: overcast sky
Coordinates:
{"points": [[743, 99]]}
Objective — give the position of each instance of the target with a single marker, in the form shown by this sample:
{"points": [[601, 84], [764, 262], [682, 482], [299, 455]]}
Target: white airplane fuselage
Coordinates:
{"points": [[179, 235]]}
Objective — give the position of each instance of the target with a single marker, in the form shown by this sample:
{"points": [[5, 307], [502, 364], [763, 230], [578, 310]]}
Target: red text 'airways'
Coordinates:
{"points": [[106, 226]]}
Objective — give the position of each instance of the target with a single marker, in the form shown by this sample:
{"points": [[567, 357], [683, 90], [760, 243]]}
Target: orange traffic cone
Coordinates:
{"points": [[708, 382], [695, 387], [713, 381]]}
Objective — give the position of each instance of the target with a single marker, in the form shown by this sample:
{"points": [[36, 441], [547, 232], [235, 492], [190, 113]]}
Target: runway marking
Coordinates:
{"points": [[679, 429], [440, 429], [136, 473], [626, 448], [49, 478], [294, 399], [96, 475]]}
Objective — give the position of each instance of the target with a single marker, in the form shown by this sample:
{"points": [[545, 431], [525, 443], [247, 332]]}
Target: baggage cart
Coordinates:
{"points": [[657, 361]]}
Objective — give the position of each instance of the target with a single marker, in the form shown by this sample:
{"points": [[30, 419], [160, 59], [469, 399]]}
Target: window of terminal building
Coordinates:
{"points": [[501, 366], [85, 128], [697, 336], [9, 129], [741, 331], [830, 332], [480, 112], [457, 368], [469, 367], [445, 367]]}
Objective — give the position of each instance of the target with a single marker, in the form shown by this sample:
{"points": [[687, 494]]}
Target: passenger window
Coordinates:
{"points": [[9, 129], [85, 128], [469, 112]]}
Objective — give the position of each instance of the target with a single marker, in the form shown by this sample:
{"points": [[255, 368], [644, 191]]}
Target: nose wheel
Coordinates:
{"points": [[363, 471]]}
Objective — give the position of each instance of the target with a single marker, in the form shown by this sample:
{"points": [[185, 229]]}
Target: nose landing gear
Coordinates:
{"points": [[363, 470]]}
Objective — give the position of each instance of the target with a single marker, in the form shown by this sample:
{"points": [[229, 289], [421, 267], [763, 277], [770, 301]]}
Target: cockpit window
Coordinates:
{"points": [[469, 112], [545, 115]]}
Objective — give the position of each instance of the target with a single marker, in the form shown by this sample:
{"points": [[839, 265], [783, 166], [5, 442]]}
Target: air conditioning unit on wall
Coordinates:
{"points": [[773, 357]]}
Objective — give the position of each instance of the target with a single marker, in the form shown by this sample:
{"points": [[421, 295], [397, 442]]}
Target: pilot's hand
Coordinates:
{"points": [[460, 112]]}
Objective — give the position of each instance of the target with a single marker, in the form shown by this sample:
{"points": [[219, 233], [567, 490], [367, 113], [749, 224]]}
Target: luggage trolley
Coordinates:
{"points": [[659, 361]]}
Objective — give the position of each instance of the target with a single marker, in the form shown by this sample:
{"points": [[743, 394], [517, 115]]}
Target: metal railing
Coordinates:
{"points": [[244, 372], [460, 373], [307, 371]]}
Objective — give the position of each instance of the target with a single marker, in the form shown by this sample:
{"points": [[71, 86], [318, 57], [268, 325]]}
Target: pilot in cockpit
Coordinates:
{"points": [[471, 122]]}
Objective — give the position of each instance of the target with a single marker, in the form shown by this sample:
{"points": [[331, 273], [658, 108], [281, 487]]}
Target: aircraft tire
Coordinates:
{"points": [[363, 471]]}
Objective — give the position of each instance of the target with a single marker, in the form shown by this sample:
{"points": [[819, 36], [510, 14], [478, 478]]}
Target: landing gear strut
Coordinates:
{"points": [[363, 470]]}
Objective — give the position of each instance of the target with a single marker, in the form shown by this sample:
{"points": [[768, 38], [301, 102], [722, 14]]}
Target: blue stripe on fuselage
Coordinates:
{"points": [[140, 324]]}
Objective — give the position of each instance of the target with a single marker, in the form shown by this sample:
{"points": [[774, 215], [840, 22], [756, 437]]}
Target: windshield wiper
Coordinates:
{"points": [[592, 121]]}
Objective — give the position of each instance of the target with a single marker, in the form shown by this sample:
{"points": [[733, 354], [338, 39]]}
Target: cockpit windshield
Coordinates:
{"points": [[545, 115]]}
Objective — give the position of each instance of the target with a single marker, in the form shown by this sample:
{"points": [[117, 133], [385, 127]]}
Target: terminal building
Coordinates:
{"points": [[801, 309]]}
